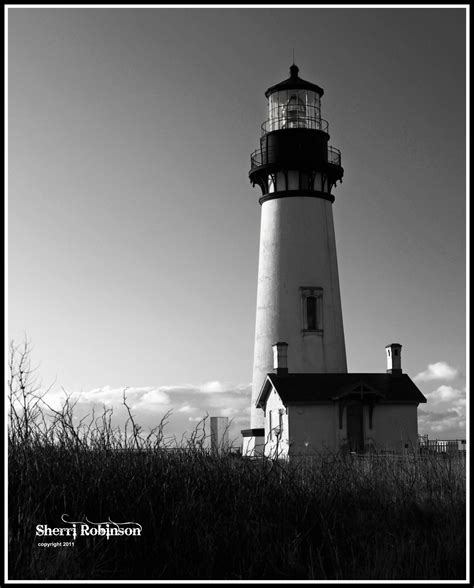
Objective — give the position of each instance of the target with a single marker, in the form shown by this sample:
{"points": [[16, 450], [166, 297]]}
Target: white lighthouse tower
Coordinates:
{"points": [[298, 297]]}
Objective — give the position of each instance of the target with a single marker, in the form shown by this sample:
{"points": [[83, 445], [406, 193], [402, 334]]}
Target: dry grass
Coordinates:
{"points": [[211, 517]]}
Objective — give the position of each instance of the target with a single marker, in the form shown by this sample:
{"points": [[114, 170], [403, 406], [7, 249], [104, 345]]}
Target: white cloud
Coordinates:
{"points": [[178, 389], [153, 397], [189, 404], [216, 387], [187, 408], [444, 414], [179, 407], [112, 396], [212, 387], [437, 371], [445, 394], [229, 412]]}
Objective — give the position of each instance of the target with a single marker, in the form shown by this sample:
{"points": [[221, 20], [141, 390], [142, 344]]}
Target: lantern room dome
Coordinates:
{"points": [[294, 82]]}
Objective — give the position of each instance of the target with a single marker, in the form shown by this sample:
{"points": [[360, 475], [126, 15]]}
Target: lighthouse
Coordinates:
{"points": [[298, 294], [304, 401]]}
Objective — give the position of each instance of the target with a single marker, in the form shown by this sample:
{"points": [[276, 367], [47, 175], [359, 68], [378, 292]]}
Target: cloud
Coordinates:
{"points": [[187, 408], [212, 388], [444, 414], [152, 398], [438, 371], [188, 403], [445, 394], [110, 396], [441, 417]]}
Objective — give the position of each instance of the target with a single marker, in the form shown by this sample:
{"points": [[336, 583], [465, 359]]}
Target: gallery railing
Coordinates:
{"points": [[295, 121], [263, 157]]}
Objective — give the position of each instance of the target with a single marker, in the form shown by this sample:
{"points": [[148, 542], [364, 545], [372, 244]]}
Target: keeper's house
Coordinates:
{"points": [[310, 413]]}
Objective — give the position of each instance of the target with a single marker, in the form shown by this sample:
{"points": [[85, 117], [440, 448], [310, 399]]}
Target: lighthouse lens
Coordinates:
{"points": [[294, 113], [289, 109]]}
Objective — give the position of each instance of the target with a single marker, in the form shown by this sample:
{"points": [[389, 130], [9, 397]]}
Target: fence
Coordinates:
{"points": [[426, 445]]}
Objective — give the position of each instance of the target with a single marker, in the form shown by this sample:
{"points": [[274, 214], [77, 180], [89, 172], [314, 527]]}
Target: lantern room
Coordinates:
{"points": [[294, 157], [293, 104]]}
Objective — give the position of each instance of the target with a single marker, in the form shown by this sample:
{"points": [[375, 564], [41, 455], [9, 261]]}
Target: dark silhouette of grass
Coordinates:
{"points": [[221, 517]]}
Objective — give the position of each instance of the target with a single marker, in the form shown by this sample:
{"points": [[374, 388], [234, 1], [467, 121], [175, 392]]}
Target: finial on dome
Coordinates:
{"points": [[294, 69]]}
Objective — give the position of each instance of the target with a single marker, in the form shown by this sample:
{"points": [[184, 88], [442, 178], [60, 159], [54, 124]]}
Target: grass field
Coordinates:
{"points": [[222, 517]]}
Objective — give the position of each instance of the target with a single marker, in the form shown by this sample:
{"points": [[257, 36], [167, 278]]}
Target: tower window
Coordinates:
{"points": [[271, 183], [311, 313], [305, 181], [312, 302]]}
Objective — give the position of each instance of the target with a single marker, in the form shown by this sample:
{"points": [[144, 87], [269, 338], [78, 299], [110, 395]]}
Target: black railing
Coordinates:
{"points": [[258, 157], [262, 156], [295, 121], [334, 156]]}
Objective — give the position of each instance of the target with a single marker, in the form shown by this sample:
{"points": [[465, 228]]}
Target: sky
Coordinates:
{"points": [[133, 229]]}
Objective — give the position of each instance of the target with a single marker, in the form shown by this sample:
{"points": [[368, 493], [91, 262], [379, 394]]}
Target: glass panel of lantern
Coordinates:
{"points": [[294, 111], [282, 101], [273, 107]]}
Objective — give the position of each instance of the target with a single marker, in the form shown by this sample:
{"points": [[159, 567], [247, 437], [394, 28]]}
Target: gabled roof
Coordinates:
{"points": [[330, 387]]}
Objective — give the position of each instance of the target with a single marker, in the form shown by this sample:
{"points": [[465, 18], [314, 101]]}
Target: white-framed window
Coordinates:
{"points": [[275, 422], [281, 412], [312, 309]]}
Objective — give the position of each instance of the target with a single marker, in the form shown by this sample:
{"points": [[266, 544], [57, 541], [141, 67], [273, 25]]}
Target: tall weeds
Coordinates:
{"points": [[207, 516]]}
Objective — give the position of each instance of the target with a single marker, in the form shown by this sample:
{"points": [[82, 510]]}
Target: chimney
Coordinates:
{"points": [[394, 359], [280, 358]]}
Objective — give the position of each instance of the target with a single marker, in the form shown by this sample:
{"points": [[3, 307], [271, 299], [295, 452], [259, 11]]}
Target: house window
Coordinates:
{"points": [[312, 303], [275, 423], [280, 421]]}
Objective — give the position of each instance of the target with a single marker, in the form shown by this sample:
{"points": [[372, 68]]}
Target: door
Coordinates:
{"points": [[355, 427]]}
